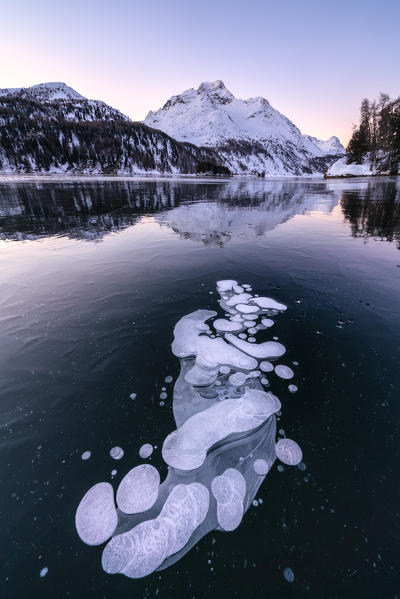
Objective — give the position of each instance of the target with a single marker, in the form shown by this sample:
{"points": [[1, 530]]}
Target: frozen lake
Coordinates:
{"points": [[94, 275]]}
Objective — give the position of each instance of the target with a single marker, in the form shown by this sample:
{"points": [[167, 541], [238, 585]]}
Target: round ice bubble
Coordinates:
{"points": [[292, 388], [288, 452], [246, 309], [138, 490], [237, 379], [116, 453], [267, 322], [224, 370], [266, 366], [168, 379], [133, 396], [284, 372], [260, 467], [146, 450], [86, 455]]}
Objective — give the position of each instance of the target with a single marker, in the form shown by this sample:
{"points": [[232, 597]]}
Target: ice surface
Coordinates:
{"points": [[288, 452], [268, 304], [260, 467], [116, 453], [187, 447], [268, 349], [96, 516], [284, 372], [227, 325], [146, 450], [138, 490]]}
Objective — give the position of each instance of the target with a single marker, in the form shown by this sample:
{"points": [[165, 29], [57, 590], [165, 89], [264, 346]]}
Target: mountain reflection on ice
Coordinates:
{"points": [[211, 212], [218, 456]]}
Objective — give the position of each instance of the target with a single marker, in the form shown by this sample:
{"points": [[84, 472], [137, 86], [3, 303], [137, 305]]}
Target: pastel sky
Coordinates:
{"points": [[314, 60]]}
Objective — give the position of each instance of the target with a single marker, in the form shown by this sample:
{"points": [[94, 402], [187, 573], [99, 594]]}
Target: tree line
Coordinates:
{"points": [[377, 137]]}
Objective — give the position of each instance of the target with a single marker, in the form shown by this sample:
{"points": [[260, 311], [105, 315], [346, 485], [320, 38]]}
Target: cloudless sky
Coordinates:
{"points": [[314, 60]]}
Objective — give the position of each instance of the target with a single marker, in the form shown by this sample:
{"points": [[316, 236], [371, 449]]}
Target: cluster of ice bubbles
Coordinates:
{"points": [[218, 456]]}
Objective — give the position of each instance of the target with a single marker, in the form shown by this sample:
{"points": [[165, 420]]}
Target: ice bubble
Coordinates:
{"points": [[86, 455], [252, 331], [295, 363], [146, 450], [238, 289], [248, 323], [281, 431], [226, 325], [116, 453], [240, 299], [237, 379], [226, 285], [132, 396], [229, 490], [254, 374], [113, 472], [251, 316], [245, 309], [224, 370], [236, 318], [168, 379], [260, 467], [242, 335], [288, 452], [246, 285], [187, 447], [284, 372], [264, 380], [96, 517], [163, 395], [143, 549], [267, 322], [251, 339], [266, 366], [268, 303], [288, 574], [138, 490], [292, 388], [280, 468], [43, 572], [268, 349], [255, 502], [162, 403]]}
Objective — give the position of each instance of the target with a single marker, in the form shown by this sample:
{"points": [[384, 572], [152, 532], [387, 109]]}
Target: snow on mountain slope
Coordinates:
{"points": [[251, 135], [69, 104], [331, 147]]}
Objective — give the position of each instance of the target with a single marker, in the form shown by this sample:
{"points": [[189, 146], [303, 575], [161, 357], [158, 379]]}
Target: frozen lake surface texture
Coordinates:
{"points": [[199, 387]]}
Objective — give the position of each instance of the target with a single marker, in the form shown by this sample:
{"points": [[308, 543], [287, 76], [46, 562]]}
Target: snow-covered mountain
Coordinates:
{"points": [[51, 128], [330, 147], [250, 135]]}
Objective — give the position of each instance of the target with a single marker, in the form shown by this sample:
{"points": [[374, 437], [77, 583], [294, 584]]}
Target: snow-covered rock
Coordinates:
{"points": [[340, 168], [250, 135], [48, 92]]}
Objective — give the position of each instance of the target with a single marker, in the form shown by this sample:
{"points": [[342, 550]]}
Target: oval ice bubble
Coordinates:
{"points": [[267, 322], [146, 450], [86, 455], [288, 452], [284, 372], [226, 325], [260, 467], [267, 303], [138, 490], [246, 309], [116, 453], [266, 366], [96, 516], [268, 349]]}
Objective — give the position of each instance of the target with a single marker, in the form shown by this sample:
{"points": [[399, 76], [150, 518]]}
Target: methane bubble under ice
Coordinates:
{"points": [[288, 452], [138, 490], [229, 490], [284, 372], [143, 549], [268, 349], [260, 467], [268, 303], [96, 517], [187, 447], [116, 453], [266, 366], [146, 450], [226, 325]]}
